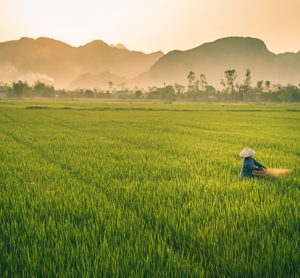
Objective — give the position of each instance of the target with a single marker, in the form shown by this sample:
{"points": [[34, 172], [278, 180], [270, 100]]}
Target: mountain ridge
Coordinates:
{"points": [[51, 60], [62, 63], [213, 58]]}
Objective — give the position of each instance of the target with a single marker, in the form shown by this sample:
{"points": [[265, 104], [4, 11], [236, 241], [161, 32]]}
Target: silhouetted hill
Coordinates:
{"points": [[96, 63], [214, 58], [51, 60]]}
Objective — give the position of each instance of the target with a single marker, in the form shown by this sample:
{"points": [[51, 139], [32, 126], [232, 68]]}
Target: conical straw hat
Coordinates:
{"points": [[247, 152]]}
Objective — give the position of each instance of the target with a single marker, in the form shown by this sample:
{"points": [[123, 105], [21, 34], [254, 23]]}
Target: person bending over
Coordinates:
{"points": [[251, 167]]}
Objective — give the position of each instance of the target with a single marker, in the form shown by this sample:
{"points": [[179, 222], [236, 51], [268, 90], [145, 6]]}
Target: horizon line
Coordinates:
{"points": [[77, 45]]}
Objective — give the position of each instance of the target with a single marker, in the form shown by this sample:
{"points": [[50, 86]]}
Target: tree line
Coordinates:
{"points": [[197, 89]]}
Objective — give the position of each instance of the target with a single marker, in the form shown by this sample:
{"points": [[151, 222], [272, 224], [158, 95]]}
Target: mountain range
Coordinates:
{"points": [[212, 59], [53, 61], [97, 63]]}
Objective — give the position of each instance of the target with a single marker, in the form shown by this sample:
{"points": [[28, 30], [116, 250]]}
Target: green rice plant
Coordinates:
{"points": [[147, 189]]}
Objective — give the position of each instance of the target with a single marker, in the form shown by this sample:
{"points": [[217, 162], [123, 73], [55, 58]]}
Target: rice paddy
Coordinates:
{"points": [[147, 189]]}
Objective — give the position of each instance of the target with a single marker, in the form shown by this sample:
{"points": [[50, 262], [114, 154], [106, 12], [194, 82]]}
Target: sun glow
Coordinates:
{"points": [[153, 25]]}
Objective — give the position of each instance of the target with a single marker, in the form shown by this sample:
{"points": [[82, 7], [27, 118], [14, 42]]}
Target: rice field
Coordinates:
{"points": [[132, 189]]}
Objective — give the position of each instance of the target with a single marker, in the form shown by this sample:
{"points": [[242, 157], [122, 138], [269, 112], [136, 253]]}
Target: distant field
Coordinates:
{"points": [[148, 189], [88, 104]]}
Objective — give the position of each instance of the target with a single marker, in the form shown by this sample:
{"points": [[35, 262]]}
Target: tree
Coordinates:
{"points": [[244, 90], [167, 92], [191, 77], [89, 93], [203, 82], [138, 94], [193, 82], [223, 84], [20, 88], [259, 85], [230, 76], [179, 89], [210, 91], [43, 90], [247, 81], [267, 85], [111, 86]]}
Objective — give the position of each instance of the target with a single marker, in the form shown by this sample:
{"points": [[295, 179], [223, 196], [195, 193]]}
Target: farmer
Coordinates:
{"points": [[250, 167]]}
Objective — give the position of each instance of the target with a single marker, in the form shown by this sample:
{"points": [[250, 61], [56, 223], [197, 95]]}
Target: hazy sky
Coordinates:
{"points": [[151, 25]]}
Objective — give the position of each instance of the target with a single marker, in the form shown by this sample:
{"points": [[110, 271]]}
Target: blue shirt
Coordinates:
{"points": [[250, 164]]}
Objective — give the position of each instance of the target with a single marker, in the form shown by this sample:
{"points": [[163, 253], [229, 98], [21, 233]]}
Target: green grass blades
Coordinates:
{"points": [[147, 190]]}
